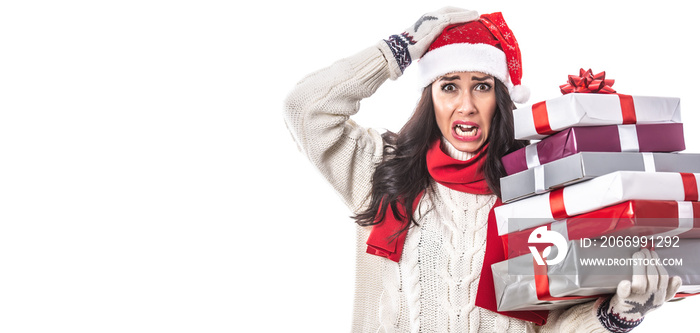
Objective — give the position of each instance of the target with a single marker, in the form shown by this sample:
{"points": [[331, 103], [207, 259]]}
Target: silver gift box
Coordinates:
{"points": [[515, 282], [586, 165]]}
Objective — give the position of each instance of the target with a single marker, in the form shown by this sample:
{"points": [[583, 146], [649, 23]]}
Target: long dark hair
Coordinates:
{"points": [[403, 173]]}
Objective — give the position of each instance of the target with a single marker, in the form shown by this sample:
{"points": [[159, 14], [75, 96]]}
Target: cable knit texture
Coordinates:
{"points": [[433, 287]]}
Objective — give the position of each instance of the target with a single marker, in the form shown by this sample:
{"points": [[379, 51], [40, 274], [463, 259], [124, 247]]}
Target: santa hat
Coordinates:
{"points": [[485, 45]]}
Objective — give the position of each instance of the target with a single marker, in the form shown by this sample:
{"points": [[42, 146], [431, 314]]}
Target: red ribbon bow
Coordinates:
{"points": [[586, 82]]}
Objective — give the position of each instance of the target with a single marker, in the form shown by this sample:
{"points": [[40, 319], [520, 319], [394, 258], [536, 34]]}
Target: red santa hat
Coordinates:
{"points": [[485, 45]]}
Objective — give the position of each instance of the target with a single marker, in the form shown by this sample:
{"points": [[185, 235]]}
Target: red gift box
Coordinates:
{"points": [[644, 218]]}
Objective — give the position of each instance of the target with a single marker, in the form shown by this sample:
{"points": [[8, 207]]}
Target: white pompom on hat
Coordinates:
{"points": [[485, 45]]}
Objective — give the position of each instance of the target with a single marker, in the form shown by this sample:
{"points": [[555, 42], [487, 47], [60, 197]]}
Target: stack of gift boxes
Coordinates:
{"points": [[606, 180]]}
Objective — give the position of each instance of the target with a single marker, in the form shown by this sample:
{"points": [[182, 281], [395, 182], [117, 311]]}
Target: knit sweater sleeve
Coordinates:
{"points": [[317, 113], [581, 318]]}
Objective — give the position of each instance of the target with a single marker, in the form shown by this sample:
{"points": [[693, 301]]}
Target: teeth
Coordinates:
{"points": [[465, 130]]}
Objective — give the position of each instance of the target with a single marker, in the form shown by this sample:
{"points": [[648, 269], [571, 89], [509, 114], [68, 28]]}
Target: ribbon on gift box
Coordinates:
{"points": [[686, 214], [542, 284], [585, 82], [690, 186], [540, 272]]}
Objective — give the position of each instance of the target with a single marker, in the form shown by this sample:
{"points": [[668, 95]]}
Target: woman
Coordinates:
{"points": [[427, 192]]}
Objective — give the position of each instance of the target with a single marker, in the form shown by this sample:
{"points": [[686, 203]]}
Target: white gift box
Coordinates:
{"points": [[593, 194], [578, 110]]}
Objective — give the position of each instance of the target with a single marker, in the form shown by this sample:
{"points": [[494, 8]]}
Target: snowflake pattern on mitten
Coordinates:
{"points": [[399, 47], [613, 321]]}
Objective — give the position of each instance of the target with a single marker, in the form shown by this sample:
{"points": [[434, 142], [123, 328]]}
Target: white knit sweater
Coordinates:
{"points": [[433, 287]]}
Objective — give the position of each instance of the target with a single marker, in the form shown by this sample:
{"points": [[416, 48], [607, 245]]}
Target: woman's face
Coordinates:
{"points": [[464, 103]]}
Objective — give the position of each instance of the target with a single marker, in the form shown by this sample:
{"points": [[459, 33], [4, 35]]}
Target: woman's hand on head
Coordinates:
{"points": [[414, 41]]}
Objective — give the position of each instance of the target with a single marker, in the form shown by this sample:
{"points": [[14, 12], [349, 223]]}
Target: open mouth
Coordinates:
{"points": [[466, 130]]}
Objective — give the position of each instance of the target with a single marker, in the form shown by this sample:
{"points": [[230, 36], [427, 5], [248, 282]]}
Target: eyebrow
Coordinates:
{"points": [[485, 78], [449, 78], [475, 78]]}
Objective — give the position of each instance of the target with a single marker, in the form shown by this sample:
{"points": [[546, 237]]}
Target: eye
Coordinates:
{"points": [[448, 87], [482, 87]]}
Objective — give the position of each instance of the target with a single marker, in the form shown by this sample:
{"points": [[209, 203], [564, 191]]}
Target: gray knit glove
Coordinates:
{"points": [[649, 289], [415, 40]]}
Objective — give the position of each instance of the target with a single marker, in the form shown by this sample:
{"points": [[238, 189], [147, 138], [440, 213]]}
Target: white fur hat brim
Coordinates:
{"points": [[463, 57]]}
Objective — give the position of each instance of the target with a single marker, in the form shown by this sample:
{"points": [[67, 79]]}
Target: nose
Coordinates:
{"points": [[466, 104]]}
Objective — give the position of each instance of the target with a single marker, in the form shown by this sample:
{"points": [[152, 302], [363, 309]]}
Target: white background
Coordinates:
{"points": [[147, 180]]}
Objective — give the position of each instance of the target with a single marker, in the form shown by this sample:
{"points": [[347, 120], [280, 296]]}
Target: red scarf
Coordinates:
{"points": [[463, 176]]}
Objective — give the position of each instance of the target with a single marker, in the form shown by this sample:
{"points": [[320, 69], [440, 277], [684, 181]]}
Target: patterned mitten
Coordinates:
{"points": [[649, 289], [415, 40]]}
